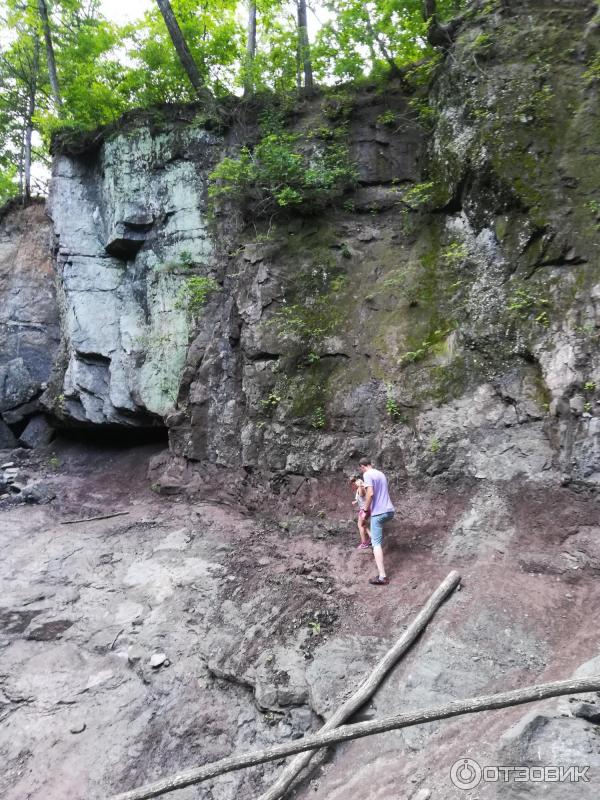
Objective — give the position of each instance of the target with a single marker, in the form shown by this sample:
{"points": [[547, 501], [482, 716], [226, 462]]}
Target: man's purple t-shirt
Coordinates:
{"points": [[381, 503]]}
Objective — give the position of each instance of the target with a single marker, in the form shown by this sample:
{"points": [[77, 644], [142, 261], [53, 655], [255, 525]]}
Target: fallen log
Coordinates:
{"points": [[345, 733], [371, 683]]}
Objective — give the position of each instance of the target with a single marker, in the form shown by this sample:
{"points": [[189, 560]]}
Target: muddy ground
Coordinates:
{"points": [[191, 628]]}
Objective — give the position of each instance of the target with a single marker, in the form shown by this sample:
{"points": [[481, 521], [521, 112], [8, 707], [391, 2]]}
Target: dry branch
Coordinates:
{"points": [[371, 683], [91, 519], [347, 732], [369, 686]]}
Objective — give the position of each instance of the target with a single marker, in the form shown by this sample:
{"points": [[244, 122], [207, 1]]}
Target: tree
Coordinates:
{"points": [[250, 49], [304, 46], [183, 51], [43, 12], [376, 37], [440, 34], [32, 88], [20, 82]]}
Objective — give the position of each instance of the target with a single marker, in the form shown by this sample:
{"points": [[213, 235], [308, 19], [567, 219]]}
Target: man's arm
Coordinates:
{"points": [[368, 497]]}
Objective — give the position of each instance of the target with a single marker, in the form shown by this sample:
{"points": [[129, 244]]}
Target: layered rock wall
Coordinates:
{"points": [[444, 317], [29, 320], [129, 221]]}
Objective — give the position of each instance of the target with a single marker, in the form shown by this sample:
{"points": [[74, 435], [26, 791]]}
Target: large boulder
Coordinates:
{"points": [[38, 432]]}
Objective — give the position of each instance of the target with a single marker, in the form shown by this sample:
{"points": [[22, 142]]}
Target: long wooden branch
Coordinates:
{"points": [[371, 683], [369, 686], [91, 519], [457, 708]]}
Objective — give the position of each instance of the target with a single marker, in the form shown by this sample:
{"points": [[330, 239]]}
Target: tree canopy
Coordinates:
{"points": [[62, 64]]}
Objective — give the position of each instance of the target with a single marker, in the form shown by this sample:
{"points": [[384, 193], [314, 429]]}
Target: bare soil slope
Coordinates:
{"points": [[262, 624]]}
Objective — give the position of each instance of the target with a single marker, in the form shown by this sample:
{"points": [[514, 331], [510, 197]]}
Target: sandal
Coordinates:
{"points": [[379, 581]]}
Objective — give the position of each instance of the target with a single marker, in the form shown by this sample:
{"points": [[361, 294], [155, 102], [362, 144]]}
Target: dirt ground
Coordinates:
{"points": [[188, 629]]}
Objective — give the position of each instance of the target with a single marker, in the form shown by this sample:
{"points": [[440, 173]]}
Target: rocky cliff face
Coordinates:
{"points": [[29, 324], [124, 218], [446, 319]]}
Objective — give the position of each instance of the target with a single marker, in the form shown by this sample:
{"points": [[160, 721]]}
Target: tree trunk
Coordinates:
{"points": [[439, 35], [183, 51], [429, 9], [472, 705], [304, 46], [43, 12], [250, 49], [380, 44], [22, 162], [32, 91]]}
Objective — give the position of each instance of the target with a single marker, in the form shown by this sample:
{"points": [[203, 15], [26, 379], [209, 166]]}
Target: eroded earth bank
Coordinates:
{"points": [[260, 623]]}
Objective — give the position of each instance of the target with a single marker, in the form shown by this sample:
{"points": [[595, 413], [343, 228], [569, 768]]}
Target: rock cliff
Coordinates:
{"points": [[442, 317], [123, 219], [29, 322], [445, 318]]}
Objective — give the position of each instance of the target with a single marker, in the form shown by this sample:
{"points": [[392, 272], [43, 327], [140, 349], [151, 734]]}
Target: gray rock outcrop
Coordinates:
{"points": [[443, 317], [130, 226], [29, 323]]}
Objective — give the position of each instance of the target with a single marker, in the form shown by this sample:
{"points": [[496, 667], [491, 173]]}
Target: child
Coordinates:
{"points": [[359, 501]]}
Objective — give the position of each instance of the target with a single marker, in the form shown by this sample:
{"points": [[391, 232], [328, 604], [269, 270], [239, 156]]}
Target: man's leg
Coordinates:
{"points": [[377, 541], [377, 523], [378, 553]]}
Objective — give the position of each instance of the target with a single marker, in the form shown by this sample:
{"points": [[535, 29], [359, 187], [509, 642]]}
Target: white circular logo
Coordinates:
{"points": [[465, 773]]}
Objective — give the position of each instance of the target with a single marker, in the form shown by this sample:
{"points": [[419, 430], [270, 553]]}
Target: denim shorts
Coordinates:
{"points": [[377, 523]]}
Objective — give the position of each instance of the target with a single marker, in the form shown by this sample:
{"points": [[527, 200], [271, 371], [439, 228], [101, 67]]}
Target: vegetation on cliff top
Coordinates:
{"points": [[64, 65]]}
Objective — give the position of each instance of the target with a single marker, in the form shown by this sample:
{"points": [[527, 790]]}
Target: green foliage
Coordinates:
{"points": [[536, 105], [54, 462], [184, 261], [589, 386], [392, 408], [419, 195], [312, 309], [195, 292], [434, 445], [373, 39], [587, 407], [309, 321], [280, 173], [214, 37], [388, 118], [271, 402], [482, 43], [528, 305], [314, 627], [425, 347], [317, 419], [338, 104], [416, 355], [454, 254], [594, 207], [592, 73], [8, 180], [425, 110]]}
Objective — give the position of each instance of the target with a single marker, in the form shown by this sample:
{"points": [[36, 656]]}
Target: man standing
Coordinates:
{"points": [[379, 505]]}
